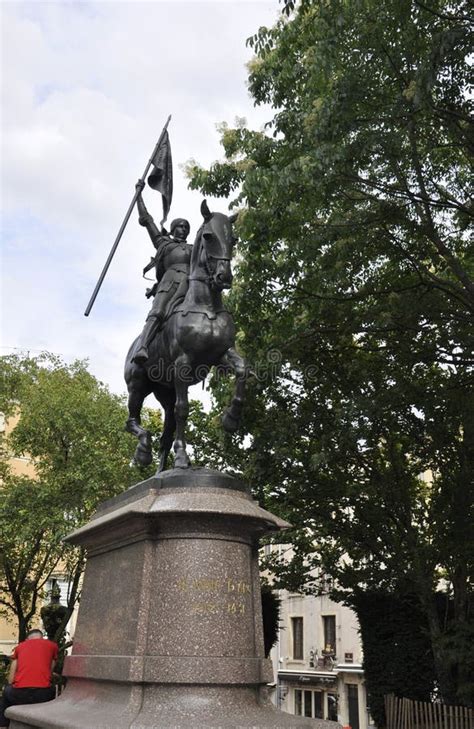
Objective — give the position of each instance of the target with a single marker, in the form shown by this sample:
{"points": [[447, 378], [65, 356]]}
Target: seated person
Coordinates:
{"points": [[29, 680]]}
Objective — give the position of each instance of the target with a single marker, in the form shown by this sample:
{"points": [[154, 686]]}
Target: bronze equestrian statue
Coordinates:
{"points": [[187, 331]]}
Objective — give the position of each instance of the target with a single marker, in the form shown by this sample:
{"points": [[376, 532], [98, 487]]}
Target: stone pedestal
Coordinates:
{"points": [[169, 632]]}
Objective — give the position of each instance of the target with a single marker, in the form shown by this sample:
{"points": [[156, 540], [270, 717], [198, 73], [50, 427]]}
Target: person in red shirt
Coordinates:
{"points": [[32, 664]]}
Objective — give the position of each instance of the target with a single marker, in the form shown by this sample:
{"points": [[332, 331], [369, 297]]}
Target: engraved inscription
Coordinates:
{"points": [[199, 584], [231, 607], [211, 596], [205, 608], [239, 586], [236, 608]]}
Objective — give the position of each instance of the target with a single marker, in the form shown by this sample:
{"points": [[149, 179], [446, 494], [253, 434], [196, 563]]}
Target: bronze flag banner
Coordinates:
{"points": [[161, 177], [162, 181]]}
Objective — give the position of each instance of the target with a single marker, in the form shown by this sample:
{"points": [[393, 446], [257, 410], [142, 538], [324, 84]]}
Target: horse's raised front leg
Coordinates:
{"points": [[232, 414], [137, 393], [181, 410]]}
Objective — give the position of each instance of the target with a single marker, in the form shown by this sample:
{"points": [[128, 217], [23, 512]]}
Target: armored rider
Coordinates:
{"points": [[171, 263]]}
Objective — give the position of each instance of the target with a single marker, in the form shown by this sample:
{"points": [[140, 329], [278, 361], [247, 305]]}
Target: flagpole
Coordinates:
{"points": [[125, 221]]}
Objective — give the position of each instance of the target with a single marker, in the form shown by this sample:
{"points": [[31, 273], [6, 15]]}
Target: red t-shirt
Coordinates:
{"points": [[34, 657]]}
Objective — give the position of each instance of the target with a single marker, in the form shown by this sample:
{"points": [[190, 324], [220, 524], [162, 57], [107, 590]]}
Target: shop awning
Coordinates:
{"points": [[308, 677]]}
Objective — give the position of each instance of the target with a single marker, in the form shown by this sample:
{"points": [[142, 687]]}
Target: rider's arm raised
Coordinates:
{"points": [[145, 219]]}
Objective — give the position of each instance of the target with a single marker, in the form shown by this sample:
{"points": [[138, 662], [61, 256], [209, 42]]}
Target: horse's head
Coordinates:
{"points": [[213, 247]]}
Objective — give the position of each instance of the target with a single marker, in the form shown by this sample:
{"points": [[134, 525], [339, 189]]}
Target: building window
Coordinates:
{"points": [[297, 637], [309, 703], [329, 624], [63, 588], [318, 704], [332, 707], [353, 705]]}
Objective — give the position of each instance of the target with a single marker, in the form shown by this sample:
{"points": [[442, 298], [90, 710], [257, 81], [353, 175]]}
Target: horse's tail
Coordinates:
{"points": [[128, 359]]}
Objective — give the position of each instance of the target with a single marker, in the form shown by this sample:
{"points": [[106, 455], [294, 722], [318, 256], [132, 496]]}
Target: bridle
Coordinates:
{"points": [[208, 257]]}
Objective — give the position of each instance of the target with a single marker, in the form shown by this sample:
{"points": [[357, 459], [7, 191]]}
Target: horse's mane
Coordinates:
{"points": [[196, 248], [198, 241]]}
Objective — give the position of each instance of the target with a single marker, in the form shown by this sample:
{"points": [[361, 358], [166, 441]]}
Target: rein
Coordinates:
{"points": [[209, 278]]}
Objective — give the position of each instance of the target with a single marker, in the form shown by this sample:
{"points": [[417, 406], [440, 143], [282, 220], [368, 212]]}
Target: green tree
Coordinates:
{"points": [[355, 267], [72, 428]]}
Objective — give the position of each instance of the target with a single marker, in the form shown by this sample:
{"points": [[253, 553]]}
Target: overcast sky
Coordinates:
{"points": [[87, 87]]}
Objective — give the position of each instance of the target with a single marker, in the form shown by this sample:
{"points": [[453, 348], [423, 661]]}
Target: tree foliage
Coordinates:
{"points": [[356, 284], [270, 617], [394, 625], [72, 428]]}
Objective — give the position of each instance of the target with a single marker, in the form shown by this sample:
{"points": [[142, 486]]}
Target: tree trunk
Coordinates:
{"points": [[23, 627], [443, 663]]}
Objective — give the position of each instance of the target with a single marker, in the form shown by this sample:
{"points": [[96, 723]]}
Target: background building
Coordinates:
{"points": [[20, 466], [24, 466], [317, 661]]}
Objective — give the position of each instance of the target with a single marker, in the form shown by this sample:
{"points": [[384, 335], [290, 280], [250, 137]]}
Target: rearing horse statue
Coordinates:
{"points": [[198, 334]]}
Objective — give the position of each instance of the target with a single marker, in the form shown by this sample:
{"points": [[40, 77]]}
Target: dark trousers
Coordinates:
{"points": [[13, 696]]}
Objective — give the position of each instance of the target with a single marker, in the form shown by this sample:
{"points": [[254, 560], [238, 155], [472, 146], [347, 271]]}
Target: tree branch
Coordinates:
{"points": [[432, 233]]}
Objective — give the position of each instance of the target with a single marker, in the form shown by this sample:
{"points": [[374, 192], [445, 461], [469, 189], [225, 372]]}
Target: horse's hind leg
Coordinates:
{"points": [[181, 411], [137, 392], [167, 398], [232, 414]]}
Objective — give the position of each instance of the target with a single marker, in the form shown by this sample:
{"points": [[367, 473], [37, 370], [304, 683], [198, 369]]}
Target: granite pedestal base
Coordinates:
{"points": [[169, 632]]}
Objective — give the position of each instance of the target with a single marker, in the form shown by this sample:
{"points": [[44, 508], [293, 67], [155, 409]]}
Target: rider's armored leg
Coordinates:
{"points": [[153, 322]]}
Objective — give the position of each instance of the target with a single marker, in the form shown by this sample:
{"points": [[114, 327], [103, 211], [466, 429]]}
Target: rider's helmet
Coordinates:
{"points": [[179, 221]]}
